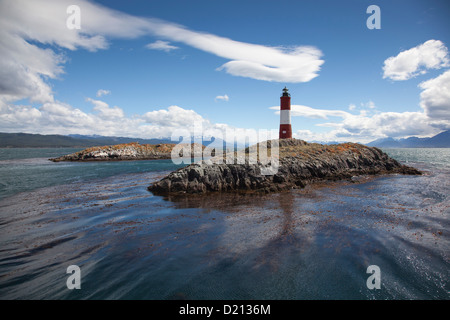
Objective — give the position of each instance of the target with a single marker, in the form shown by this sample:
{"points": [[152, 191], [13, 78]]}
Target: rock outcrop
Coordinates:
{"points": [[299, 164], [127, 151]]}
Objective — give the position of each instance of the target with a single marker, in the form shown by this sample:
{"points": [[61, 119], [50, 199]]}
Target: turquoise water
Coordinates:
{"points": [[314, 243], [26, 169]]}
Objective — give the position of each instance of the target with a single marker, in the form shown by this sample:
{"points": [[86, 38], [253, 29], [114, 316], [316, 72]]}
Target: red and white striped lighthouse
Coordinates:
{"points": [[285, 115]]}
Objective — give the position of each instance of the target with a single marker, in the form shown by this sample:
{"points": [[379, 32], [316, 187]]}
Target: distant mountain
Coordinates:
{"points": [[385, 143], [324, 142], [441, 140], [27, 140]]}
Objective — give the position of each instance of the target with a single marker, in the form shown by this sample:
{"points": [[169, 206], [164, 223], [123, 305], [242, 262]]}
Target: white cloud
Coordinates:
{"points": [[223, 98], [173, 117], [308, 135], [294, 64], [102, 92], [105, 111], [161, 45], [25, 67], [366, 127], [351, 107], [409, 63], [387, 124], [435, 97], [32, 34], [308, 112], [370, 105], [299, 64], [59, 118]]}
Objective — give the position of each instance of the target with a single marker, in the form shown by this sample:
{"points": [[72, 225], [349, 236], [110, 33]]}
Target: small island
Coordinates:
{"points": [[300, 163], [125, 151]]}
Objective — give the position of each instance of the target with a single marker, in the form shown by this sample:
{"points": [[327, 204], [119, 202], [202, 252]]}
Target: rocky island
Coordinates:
{"points": [[299, 163], [126, 151]]}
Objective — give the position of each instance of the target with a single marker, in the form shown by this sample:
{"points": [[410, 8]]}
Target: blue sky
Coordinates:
{"points": [[206, 69]]}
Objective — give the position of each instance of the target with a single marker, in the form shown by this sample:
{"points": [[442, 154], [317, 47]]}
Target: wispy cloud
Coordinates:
{"points": [[102, 92], [161, 45], [308, 112], [409, 63], [223, 98], [26, 67]]}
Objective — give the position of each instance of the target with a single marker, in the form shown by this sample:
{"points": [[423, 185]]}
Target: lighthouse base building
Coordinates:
{"points": [[285, 115]]}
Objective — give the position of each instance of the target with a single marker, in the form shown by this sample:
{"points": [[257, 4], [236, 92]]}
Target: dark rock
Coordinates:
{"points": [[300, 163]]}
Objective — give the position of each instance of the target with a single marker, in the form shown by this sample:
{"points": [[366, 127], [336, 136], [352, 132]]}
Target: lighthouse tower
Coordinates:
{"points": [[285, 115]]}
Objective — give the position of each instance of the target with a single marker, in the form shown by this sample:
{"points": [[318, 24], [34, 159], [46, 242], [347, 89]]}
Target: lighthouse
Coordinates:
{"points": [[285, 115]]}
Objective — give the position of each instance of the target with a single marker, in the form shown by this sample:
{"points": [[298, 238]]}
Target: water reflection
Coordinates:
{"points": [[272, 225]]}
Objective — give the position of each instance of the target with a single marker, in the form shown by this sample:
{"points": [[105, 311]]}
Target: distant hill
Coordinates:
{"points": [[441, 140], [27, 140]]}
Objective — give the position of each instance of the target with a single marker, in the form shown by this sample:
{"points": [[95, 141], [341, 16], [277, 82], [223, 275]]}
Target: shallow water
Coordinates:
{"points": [[314, 243]]}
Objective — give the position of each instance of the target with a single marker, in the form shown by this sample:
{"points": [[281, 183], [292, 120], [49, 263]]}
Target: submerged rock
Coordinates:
{"points": [[298, 164]]}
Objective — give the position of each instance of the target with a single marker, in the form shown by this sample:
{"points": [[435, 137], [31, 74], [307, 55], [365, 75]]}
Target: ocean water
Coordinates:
{"points": [[314, 243]]}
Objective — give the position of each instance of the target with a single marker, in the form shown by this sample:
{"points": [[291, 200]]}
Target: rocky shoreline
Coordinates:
{"points": [[299, 163], [126, 151]]}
